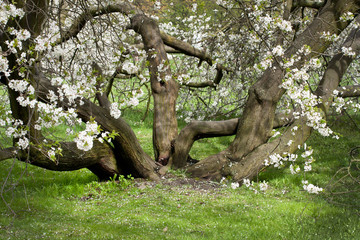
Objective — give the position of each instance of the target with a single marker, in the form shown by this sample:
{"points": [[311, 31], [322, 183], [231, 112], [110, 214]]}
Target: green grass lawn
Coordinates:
{"points": [[73, 205]]}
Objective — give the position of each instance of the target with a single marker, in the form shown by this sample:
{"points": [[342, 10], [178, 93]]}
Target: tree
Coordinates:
{"points": [[271, 64]]}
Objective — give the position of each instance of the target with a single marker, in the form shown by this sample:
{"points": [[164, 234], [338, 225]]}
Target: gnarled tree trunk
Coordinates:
{"points": [[164, 87]]}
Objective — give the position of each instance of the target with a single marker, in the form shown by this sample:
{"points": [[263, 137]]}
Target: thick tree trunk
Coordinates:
{"points": [[72, 158], [130, 157], [246, 155], [164, 87]]}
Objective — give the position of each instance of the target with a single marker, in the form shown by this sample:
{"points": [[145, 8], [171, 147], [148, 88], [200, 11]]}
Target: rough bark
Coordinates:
{"points": [[8, 153], [249, 148], [129, 155], [349, 91], [197, 130], [164, 87], [336, 69], [308, 3], [101, 95], [72, 158]]}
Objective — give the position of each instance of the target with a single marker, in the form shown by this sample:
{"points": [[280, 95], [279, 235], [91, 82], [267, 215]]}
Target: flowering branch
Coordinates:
{"points": [[91, 12], [349, 91], [200, 84], [175, 44]]}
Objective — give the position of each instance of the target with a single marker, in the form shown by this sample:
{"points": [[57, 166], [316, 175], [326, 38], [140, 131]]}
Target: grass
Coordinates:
{"points": [[73, 205]]}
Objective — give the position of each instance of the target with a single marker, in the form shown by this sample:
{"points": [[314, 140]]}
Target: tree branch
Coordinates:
{"points": [[207, 129], [250, 146], [186, 48], [101, 96], [7, 153], [336, 70], [197, 130], [175, 44], [129, 154], [80, 21], [200, 84], [349, 91], [308, 3], [189, 50], [168, 49]]}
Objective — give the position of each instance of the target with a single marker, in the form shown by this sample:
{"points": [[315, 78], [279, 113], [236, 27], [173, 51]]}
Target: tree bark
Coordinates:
{"points": [[197, 130], [164, 87], [130, 157], [246, 155]]}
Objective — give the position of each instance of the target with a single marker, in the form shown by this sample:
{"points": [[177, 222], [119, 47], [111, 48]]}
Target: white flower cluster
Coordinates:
{"points": [[114, 110], [298, 90], [310, 188], [256, 187], [16, 130], [278, 161], [19, 85], [157, 5], [329, 37], [340, 104], [348, 51], [260, 187], [43, 42], [348, 16], [8, 10], [235, 185], [21, 35], [85, 139], [278, 51], [49, 114], [130, 67], [4, 66]]}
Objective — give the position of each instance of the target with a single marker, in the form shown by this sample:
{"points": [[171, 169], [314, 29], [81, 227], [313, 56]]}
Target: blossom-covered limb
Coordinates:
{"points": [[337, 68], [127, 147], [91, 12], [250, 146], [349, 91], [190, 50]]}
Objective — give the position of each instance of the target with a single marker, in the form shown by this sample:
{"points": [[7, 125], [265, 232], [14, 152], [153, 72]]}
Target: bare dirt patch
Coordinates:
{"points": [[173, 181]]}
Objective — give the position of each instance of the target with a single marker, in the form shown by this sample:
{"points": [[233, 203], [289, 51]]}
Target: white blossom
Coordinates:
{"points": [[263, 186], [234, 185], [23, 143], [278, 51], [348, 51], [115, 111], [310, 188], [246, 182]]}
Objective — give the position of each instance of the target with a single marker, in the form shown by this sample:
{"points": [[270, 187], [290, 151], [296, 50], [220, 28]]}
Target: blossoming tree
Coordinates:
{"points": [[266, 64]]}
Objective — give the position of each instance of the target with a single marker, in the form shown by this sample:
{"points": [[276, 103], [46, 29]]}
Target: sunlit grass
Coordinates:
{"points": [[73, 205]]}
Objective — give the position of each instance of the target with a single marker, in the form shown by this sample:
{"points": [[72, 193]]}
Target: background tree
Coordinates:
{"points": [[265, 64]]}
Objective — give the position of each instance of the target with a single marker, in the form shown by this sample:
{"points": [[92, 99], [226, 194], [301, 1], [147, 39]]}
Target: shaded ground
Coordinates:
{"points": [[173, 181]]}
